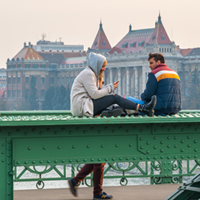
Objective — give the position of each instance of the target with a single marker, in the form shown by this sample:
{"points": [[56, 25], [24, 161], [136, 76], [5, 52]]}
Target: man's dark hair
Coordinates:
{"points": [[157, 57]]}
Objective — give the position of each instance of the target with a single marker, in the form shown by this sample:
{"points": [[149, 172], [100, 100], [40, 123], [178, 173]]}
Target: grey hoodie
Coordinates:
{"points": [[95, 61], [85, 87]]}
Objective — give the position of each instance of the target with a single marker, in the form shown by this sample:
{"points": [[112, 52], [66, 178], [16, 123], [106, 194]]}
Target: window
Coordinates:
{"points": [[27, 65], [14, 80], [163, 37], [27, 80], [140, 44], [42, 80], [72, 80], [9, 80], [104, 43], [180, 75], [58, 80], [9, 66], [186, 76], [125, 45], [18, 93], [35, 65], [42, 65], [18, 66], [133, 44], [51, 66], [95, 43], [18, 80], [35, 79], [63, 80], [13, 66], [51, 80], [153, 37], [14, 93], [187, 92], [42, 93], [193, 75], [67, 80], [26, 93], [9, 93]]}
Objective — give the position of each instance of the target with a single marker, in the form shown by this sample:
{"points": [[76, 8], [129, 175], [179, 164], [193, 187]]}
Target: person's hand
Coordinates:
{"points": [[115, 85]]}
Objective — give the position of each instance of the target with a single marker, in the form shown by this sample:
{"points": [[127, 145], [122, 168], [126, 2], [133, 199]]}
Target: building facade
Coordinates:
{"points": [[127, 62], [47, 68]]}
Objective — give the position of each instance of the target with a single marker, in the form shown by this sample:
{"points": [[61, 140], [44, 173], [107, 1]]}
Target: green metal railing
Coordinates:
{"points": [[152, 170], [164, 149]]}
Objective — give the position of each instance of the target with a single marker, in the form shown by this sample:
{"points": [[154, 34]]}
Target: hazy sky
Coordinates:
{"points": [[77, 21]]}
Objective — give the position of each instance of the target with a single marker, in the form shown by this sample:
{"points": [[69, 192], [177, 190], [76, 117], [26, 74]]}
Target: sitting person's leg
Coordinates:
{"points": [[133, 112], [136, 100], [102, 103]]}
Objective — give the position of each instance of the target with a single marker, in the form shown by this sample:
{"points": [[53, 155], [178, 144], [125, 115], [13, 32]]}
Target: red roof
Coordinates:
{"points": [[159, 34], [185, 51], [101, 41], [135, 40], [28, 53], [115, 49]]}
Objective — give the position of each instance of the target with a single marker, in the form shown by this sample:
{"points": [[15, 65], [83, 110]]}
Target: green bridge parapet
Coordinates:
{"points": [[53, 138]]}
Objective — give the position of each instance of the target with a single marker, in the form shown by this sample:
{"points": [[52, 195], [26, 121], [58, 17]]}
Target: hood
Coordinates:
{"points": [[95, 61]]}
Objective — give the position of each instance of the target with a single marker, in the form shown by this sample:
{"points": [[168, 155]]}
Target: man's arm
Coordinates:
{"points": [[151, 87]]}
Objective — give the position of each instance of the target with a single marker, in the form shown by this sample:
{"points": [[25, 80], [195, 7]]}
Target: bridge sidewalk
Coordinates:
{"points": [[145, 192]]}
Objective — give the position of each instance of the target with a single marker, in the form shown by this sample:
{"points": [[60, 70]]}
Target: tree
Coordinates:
{"points": [[47, 103], [33, 104], [67, 98], [192, 97], [57, 98]]}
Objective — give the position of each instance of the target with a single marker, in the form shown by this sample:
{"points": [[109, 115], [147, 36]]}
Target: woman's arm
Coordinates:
{"points": [[89, 82]]}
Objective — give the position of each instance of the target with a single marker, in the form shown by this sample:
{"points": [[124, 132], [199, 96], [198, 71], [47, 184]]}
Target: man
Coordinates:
{"points": [[165, 84]]}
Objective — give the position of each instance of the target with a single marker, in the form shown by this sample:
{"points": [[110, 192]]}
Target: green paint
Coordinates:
{"points": [[52, 138]]}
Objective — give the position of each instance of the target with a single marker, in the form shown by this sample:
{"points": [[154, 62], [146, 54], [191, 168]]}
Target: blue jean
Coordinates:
{"points": [[140, 102]]}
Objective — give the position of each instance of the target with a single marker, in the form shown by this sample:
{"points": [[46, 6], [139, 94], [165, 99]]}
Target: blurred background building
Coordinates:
{"points": [[38, 69]]}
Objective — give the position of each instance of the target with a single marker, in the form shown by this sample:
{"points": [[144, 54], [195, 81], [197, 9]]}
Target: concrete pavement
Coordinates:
{"points": [[138, 192]]}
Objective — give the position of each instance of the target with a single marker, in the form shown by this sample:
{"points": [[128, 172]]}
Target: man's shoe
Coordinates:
{"points": [[103, 195], [148, 108], [73, 187], [109, 113]]}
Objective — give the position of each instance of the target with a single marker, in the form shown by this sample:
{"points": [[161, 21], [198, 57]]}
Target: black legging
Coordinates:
{"points": [[104, 102]]}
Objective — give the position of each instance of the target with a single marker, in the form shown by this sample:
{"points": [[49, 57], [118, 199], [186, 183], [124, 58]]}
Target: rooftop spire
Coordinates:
{"points": [[159, 19], [130, 28], [100, 26]]}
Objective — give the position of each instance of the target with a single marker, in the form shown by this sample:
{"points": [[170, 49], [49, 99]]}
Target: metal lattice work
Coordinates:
{"points": [[156, 171]]}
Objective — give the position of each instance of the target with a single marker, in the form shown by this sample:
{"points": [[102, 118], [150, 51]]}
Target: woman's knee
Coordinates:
{"points": [[116, 96]]}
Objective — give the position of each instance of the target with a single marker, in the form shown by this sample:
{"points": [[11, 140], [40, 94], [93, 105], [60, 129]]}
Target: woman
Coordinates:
{"points": [[88, 100]]}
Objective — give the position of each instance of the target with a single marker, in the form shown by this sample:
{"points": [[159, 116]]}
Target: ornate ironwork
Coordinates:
{"points": [[121, 171]]}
